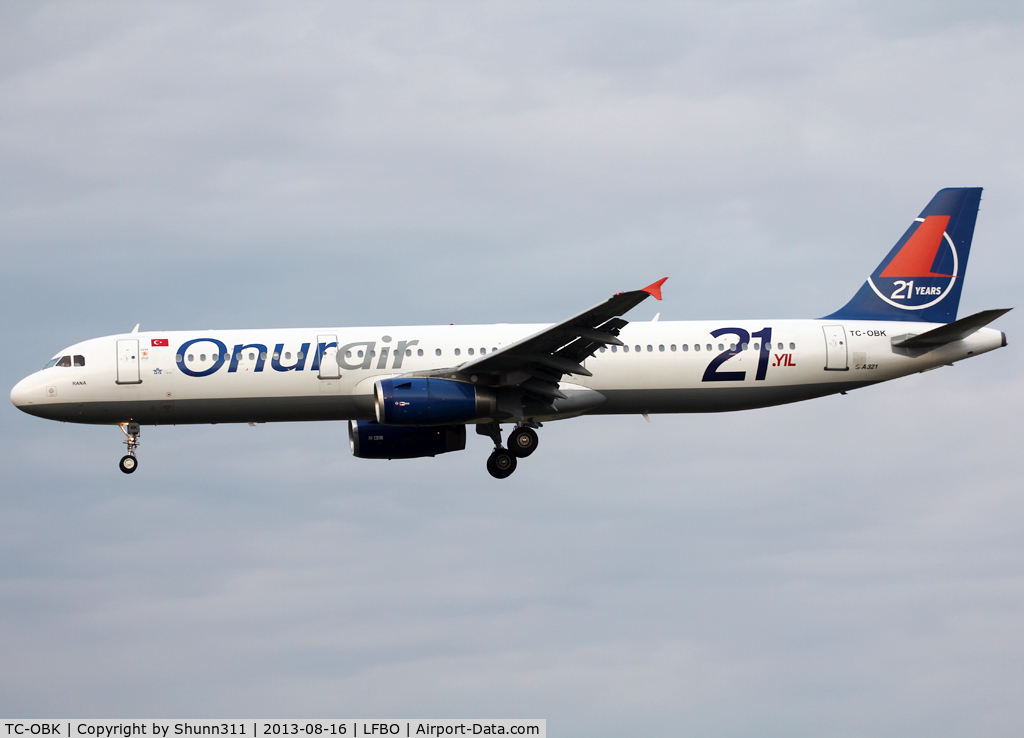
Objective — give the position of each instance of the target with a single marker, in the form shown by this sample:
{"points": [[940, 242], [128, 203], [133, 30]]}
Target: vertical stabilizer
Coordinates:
{"points": [[921, 277]]}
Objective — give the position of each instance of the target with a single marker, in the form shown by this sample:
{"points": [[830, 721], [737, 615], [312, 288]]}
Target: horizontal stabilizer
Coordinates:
{"points": [[955, 331]]}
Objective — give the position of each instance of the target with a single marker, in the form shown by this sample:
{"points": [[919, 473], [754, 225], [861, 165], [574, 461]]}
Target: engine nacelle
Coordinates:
{"points": [[370, 440], [428, 401]]}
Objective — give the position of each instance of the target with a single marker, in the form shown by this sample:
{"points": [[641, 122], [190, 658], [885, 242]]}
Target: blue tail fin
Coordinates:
{"points": [[921, 278]]}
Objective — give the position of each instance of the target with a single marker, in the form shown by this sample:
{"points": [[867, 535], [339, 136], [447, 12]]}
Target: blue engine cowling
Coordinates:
{"points": [[371, 440], [428, 401]]}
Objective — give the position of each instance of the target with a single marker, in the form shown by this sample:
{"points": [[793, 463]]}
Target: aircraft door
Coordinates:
{"points": [[327, 346], [128, 361], [835, 348]]}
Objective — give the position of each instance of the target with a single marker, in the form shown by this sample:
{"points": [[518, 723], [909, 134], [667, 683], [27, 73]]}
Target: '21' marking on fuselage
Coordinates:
{"points": [[713, 374]]}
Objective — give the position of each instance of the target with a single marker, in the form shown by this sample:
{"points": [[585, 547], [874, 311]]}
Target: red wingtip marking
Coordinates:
{"points": [[655, 289]]}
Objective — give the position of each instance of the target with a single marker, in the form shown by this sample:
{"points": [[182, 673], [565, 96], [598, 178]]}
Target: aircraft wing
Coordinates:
{"points": [[537, 363]]}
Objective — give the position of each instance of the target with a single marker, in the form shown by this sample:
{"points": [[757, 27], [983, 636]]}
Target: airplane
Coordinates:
{"points": [[411, 391]]}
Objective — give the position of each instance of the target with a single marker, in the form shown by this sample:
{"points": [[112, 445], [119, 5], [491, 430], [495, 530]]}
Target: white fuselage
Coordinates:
{"points": [[258, 375]]}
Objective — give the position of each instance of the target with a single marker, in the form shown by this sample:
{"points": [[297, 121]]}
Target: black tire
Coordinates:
{"points": [[501, 463], [522, 442], [128, 464]]}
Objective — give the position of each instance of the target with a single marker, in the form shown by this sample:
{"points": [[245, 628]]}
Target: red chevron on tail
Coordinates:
{"points": [[917, 256]]}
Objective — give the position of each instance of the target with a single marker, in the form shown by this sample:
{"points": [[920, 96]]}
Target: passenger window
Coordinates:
{"points": [[263, 355], [359, 353], [709, 347], [419, 352], [470, 351], [721, 347], [437, 352], [614, 349], [757, 347], [601, 349], [458, 352], [792, 347], [214, 357], [202, 357], [780, 346], [299, 356], [191, 357], [483, 352], [625, 349], [651, 348], [732, 346], [672, 347], [744, 347], [696, 347], [638, 349], [277, 355], [252, 357], [493, 349], [661, 347], [79, 360], [177, 358]]}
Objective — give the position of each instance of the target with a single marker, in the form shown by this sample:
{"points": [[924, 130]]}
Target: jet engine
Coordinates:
{"points": [[371, 440], [428, 401]]}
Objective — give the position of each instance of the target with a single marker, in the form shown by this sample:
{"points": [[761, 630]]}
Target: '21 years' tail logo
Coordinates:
{"points": [[923, 271]]}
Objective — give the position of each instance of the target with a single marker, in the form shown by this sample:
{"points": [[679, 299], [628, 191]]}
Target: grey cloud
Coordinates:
{"points": [[849, 565]]}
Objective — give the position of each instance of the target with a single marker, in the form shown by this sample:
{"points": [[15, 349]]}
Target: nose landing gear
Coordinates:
{"points": [[128, 462]]}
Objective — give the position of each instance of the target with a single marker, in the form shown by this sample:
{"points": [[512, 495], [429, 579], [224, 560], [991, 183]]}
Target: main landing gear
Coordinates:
{"points": [[501, 463], [522, 442], [128, 462]]}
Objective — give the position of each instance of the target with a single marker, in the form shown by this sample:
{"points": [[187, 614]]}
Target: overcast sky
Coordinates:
{"points": [[849, 566]]}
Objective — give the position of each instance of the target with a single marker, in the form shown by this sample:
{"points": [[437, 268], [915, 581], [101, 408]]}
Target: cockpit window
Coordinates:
{"points": [[51, 362], [64, 361], [79, 360]]}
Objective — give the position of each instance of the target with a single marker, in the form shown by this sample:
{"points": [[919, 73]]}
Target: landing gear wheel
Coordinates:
{"points": [[501, 463], [522, 442], [128, 462]]}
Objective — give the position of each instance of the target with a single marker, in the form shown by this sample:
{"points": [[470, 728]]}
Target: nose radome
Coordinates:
{"points": [[21, 393]]}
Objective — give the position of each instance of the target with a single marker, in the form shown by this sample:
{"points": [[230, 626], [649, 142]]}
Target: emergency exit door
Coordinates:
{"points": [[128, 361], [836, 354], [327, 347]]}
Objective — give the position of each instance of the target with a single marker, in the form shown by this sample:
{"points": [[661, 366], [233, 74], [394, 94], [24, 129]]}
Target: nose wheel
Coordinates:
{"points": [[128, 462]]}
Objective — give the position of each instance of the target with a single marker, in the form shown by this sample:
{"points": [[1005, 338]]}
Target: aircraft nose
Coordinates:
{"points": [[21, 393]]}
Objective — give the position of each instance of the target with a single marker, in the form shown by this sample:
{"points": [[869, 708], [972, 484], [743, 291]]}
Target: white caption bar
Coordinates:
{"points": [[268, 728]]}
